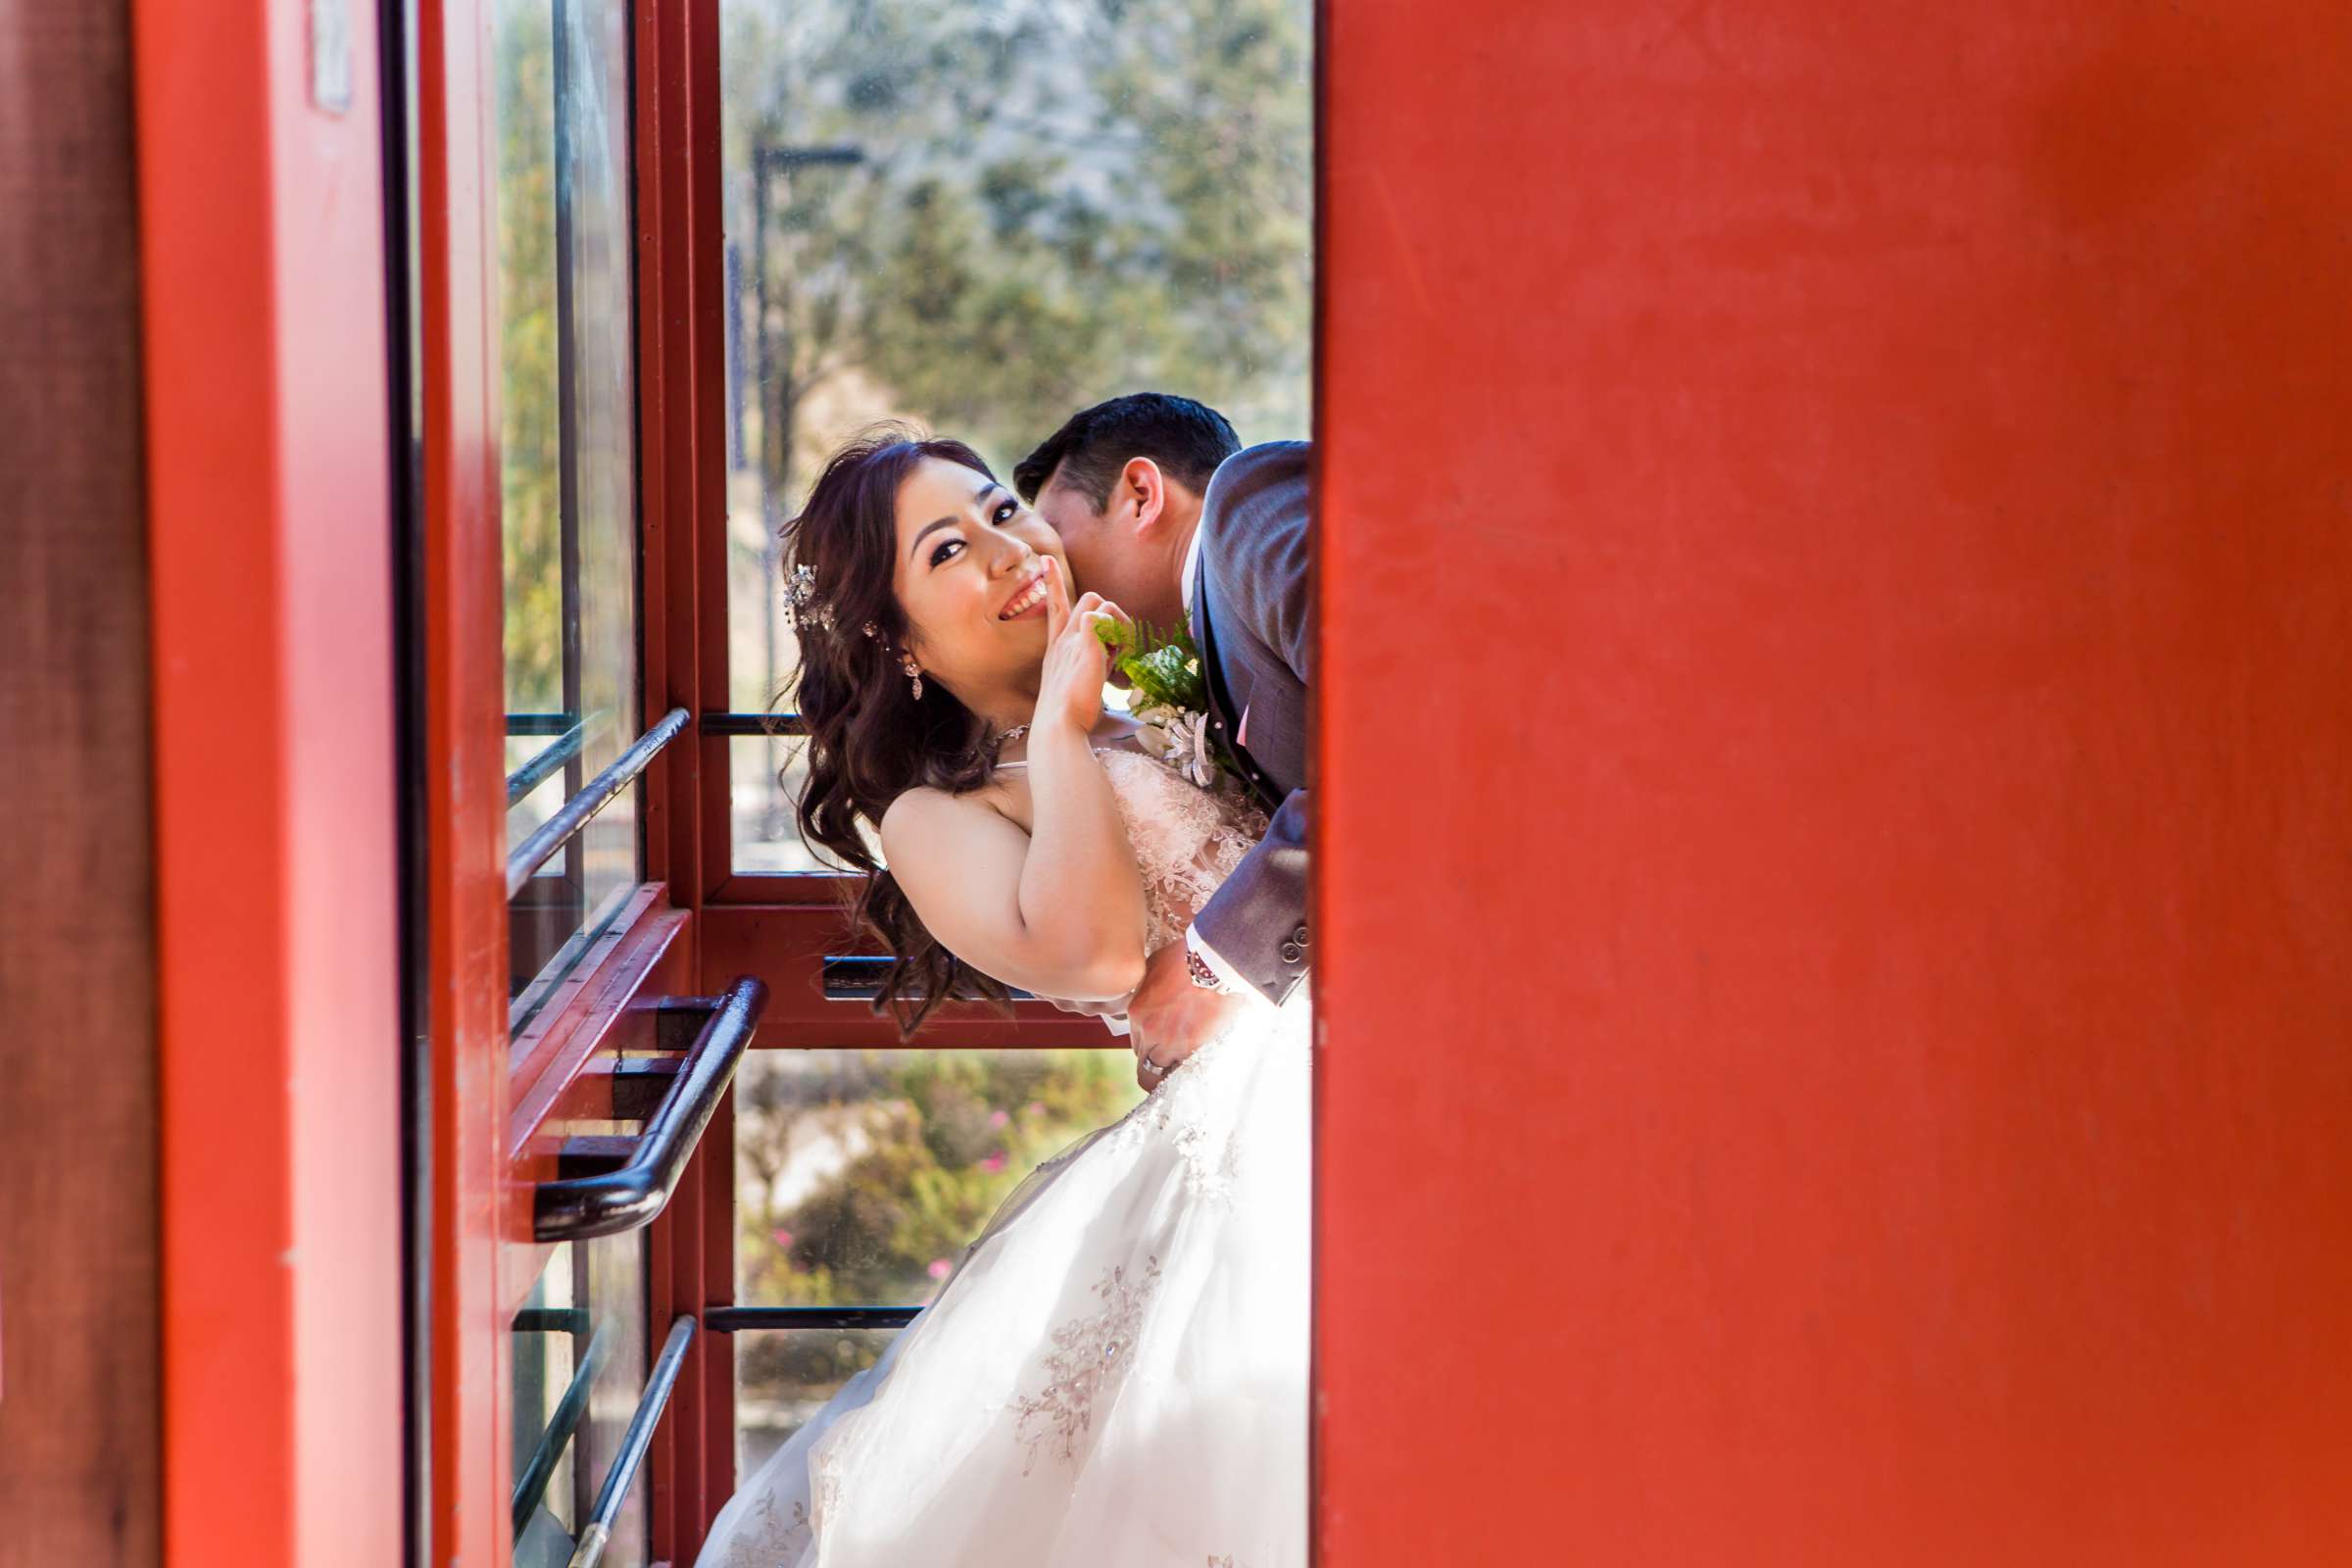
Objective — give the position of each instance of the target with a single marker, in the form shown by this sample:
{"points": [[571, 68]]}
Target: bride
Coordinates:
{"points": [[1114, 1373]]}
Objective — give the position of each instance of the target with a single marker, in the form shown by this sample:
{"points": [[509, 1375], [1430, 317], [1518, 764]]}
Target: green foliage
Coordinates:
{"points": [[529, 487], [1163, 666], [942, 1138]]}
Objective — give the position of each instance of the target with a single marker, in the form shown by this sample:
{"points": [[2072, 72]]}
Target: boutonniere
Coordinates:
{"points": [[1171, 698]]}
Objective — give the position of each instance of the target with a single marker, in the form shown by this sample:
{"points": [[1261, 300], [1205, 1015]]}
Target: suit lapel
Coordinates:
{"points": [[1222, 711]]}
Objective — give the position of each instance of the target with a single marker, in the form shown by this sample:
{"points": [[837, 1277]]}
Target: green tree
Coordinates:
{"points": [[528, 476], [946, 1136], [1053, 203]]}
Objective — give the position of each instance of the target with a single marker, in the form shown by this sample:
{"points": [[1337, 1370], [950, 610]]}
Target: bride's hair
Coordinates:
{"points": [[869, 739]]}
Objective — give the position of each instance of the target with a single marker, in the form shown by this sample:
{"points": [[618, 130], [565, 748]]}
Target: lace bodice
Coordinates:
{"points": [[1187, 839]]}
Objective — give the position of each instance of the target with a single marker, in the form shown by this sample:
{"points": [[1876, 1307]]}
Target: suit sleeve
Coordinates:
{"points": [[1258, 518], [1257, 922]]}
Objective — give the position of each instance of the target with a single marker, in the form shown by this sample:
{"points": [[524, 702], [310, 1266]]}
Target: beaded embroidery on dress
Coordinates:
{"points": [[1114, 1374]]}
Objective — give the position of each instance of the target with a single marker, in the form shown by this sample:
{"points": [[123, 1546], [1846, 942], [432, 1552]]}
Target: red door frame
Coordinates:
{"points": [[473, 1206], [262, 279], [1847, 506]]}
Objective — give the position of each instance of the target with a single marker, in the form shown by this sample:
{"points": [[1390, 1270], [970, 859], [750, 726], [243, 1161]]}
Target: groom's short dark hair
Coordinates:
{"points": [[1187, 439]]}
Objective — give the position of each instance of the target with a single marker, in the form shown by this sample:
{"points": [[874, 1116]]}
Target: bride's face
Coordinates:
{"points": [[968, 575]]}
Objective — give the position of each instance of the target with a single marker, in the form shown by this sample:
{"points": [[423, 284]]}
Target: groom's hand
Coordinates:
{"points": [[1172, 1017]]}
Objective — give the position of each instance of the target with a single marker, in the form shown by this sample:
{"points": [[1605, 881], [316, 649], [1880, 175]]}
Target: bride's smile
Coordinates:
{"points": [[972, 579], [1029, 600]]}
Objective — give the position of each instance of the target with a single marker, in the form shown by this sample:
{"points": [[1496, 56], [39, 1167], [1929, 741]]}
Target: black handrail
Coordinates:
{"points": [[633, 1443], [772, 725], [533, 853], [530, 1486], [752, 1319], [609, 1203], [859, 977], [540, 724]]}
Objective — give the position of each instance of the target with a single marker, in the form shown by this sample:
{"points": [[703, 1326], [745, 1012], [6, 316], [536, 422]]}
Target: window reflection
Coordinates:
{"points": [[567, 458], [860, 1175], [579, 1368], [983, 217], [768, 837]]}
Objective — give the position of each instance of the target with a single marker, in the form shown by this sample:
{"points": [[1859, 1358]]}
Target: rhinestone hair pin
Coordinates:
{"points": [[804, 605]]}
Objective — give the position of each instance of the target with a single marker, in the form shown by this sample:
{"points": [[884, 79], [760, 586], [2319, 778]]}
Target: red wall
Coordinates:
{"points": [[1837, 784]]}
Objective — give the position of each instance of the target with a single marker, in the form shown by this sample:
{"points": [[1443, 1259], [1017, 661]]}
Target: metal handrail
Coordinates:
{"points": [[530, 1486], [544, 762], [551, 835], [633, 1443], [609, 1203]]}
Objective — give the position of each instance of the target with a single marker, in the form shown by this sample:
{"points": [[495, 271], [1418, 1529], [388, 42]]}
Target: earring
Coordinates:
{"points": [[914, 673]]}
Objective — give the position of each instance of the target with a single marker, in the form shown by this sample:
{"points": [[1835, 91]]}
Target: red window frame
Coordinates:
{"points": [[694, 925]]}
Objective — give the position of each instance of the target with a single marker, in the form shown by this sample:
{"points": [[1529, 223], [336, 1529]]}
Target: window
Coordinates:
{"points": [[578, 1357], [860, 1175], [977, 219], [567, 437], [982, 218]]}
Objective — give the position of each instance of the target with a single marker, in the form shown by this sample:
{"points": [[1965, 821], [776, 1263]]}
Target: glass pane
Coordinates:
{"points": [[580, 1369], [767, 774], [567, 429], [984, 219], [783, 1377], [860, 1175]]}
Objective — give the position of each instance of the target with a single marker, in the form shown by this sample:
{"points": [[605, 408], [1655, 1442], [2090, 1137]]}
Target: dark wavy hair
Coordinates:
{"points": [[869, 739]]}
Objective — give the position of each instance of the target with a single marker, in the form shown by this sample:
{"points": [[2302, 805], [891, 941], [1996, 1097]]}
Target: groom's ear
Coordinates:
{"points": [[1143, 491]]}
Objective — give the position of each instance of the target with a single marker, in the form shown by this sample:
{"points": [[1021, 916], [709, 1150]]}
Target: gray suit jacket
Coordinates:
{"points": [[1253, 619]]}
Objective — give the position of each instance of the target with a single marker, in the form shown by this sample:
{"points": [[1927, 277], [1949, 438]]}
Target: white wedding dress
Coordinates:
{"points": [[1114, 1374]]}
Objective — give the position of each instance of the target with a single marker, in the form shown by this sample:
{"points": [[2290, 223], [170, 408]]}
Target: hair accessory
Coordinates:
{"points": [[806, 607]]}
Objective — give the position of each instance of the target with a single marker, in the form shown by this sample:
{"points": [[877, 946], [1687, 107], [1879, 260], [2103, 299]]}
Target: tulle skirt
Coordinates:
{"points": [[1113, 1375]]}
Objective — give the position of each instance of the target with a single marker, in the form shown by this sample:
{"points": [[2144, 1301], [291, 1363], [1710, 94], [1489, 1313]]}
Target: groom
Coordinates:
{"points": [[1162, 513]]}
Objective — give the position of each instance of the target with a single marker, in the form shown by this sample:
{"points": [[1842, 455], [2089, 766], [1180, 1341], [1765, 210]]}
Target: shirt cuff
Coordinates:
{"points": [[1195, 943]]}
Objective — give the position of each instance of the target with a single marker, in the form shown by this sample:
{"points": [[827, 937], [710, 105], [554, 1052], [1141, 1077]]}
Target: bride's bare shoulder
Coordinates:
{"points": [[925, 816]]}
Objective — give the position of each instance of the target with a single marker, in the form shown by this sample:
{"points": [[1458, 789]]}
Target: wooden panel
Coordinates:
{"points": [[1837, 551], [79, 1265]]}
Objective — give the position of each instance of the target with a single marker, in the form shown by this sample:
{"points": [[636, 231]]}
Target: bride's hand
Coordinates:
{"points": [[1070, 690]]}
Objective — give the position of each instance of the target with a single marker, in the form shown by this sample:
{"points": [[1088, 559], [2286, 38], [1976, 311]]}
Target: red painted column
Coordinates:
{"points": [[261, 261], [1835, 785]]}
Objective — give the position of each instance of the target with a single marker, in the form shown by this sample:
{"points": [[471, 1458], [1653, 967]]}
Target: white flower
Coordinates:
{"points": [[1180, 738], [1153, 738], [1187, 742]]}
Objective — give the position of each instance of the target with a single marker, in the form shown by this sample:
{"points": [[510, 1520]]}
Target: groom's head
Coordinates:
{"points": [[1121, 482]]}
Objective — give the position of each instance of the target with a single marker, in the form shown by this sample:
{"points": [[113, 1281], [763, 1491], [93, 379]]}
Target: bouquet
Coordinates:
{"points": [[1171, 699]]}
